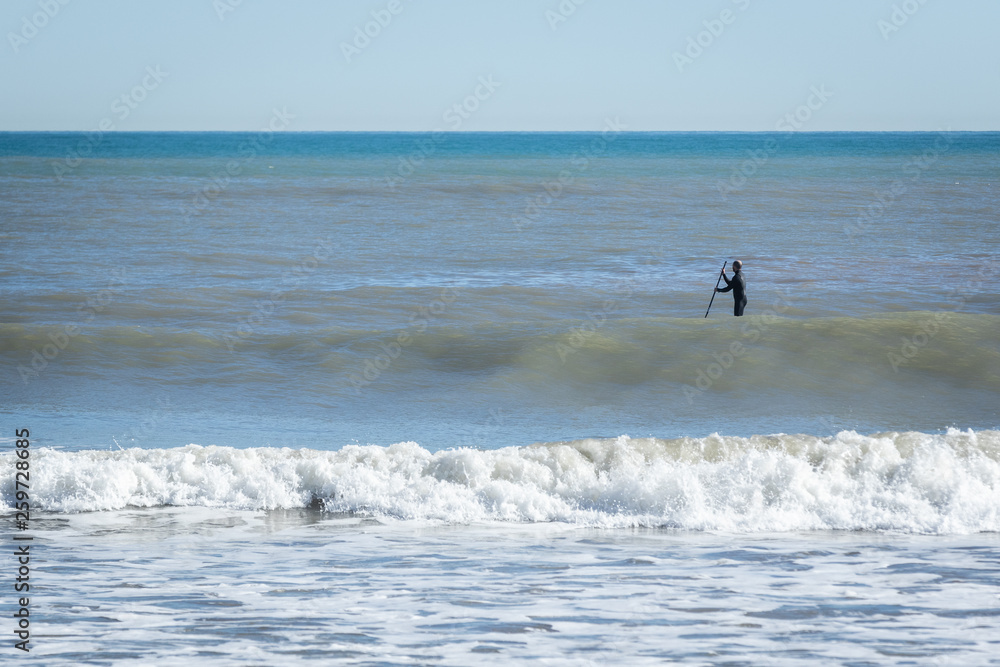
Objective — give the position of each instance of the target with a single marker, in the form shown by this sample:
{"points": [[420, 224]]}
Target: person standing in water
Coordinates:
{"points": [[739, 287]]}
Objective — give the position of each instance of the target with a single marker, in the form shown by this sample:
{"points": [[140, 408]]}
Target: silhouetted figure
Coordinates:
{"points": [[739, 287]]}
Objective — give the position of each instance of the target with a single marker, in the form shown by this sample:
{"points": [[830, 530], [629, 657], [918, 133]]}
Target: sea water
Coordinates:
{"points": [[444, 398]]}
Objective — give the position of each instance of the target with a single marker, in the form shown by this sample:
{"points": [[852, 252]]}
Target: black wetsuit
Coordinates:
{"points": [[739, 287]]}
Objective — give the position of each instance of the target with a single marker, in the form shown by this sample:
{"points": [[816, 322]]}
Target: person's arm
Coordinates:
{"points": [[729, 284]]}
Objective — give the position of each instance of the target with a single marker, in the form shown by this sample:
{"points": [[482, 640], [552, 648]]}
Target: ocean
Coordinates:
{"points": [[444, 398]]}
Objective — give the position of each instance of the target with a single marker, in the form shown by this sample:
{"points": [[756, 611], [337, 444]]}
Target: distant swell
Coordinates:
{"points": [[956, 348], [908, 482]]}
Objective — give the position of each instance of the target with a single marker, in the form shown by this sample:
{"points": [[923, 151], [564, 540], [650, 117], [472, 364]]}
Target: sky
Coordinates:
{"points": [[499, 65]]}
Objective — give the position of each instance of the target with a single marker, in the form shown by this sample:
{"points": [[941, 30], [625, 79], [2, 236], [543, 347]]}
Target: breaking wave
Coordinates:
{"points": [[903, 482]]}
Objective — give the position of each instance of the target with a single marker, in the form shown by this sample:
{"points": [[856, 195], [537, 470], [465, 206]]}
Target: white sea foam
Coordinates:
{"points": [[908, 482]]}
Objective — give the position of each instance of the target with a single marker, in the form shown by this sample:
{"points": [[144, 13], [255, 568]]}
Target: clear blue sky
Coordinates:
{"points": [[936, 66]]}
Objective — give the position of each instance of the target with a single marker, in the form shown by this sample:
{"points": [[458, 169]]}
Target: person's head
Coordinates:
{"points": [[737, 265]]}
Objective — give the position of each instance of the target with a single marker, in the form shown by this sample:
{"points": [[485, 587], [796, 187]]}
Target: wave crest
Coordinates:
{"points": [[908, 482]]}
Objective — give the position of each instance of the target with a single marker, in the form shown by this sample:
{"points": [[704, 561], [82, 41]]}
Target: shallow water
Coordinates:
{"points": [[174, 585]]}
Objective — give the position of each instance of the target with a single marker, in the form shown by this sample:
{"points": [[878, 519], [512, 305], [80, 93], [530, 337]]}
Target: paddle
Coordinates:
{"points": [[716, 287]]}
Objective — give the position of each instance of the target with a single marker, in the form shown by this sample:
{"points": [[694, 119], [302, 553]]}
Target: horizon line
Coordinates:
{"points": [[619, 132]]}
